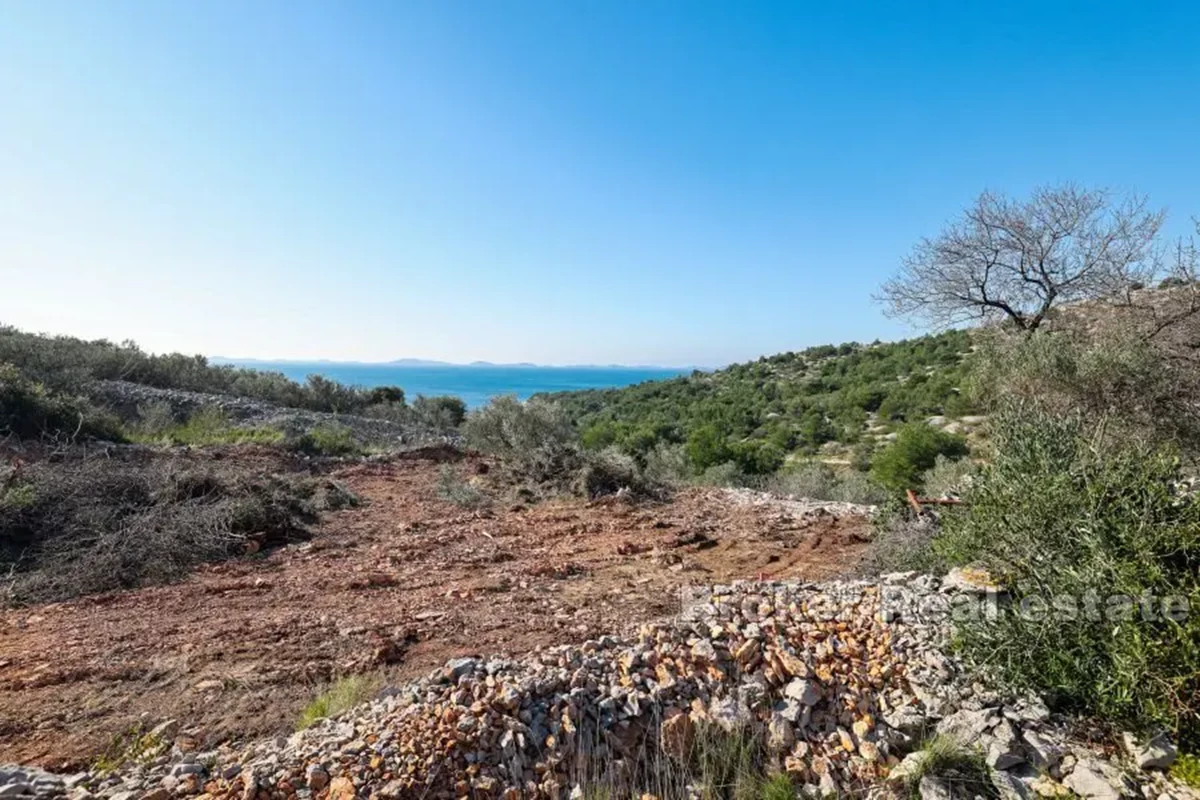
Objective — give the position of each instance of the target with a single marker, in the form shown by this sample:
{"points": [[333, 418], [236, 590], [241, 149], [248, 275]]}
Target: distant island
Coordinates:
{"points": [[425, 362]]}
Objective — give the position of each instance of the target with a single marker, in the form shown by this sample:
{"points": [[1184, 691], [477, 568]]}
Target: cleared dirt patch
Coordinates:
{"points": [[398, 585]]}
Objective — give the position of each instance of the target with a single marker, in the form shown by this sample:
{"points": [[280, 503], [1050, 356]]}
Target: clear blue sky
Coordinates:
{"points": [[595, 181]]}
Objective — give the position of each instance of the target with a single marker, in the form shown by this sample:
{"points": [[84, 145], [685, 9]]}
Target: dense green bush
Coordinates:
{"points": [[30, 410], [902, 464], [1058, 520], [386, 395], [533, 441], [442, 412]]}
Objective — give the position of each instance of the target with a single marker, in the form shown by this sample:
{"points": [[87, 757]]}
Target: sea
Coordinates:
{"points": [[475, 384]]}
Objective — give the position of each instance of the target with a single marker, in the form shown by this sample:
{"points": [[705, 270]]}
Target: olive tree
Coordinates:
{"points": [[1015, 261]]}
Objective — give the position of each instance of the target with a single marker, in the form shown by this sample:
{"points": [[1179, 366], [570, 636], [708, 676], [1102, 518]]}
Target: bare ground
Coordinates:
{"points": [[398, 585]]}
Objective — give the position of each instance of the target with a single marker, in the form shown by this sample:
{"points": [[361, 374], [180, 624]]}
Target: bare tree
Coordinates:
{"points": [[1010, 260]]}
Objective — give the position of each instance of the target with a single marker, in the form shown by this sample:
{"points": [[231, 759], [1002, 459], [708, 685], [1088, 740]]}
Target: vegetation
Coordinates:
{"points": [[64, 365], [441, 412], [327, 440], [533, 440], [87, 524], [1099, 531], [1186, 770], [1017, 261], [135, 745], [341, 696], [917, 448], [539, 451], [757, 415], [1080, 505], [818, 481], [453, 489], [28, 410], [712, 763], [208, 426], [961, 769]]}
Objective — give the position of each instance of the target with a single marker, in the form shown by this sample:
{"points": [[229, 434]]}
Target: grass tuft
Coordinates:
{"points": [[958, 766], [339, 697], [778, 787]]}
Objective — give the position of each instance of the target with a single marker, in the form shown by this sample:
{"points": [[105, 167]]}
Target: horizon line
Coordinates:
{"points": [[424, 362]]}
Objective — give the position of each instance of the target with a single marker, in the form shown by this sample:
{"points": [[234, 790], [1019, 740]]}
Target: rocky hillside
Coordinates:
{"points": [[798, 402]]}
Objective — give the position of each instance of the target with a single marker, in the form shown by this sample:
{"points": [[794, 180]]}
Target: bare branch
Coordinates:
{"points": [[1005, 260]]}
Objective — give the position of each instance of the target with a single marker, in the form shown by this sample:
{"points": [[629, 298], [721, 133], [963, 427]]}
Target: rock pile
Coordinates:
{"points": [[29, 782], [798, 506], [839, 681]]}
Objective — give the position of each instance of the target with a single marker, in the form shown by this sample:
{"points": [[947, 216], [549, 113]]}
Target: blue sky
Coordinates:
{"points": [[562, 182]]}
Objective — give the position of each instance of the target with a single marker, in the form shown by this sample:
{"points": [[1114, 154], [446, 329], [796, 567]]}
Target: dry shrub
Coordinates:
{"points": [[611, 471], [89, 523]]}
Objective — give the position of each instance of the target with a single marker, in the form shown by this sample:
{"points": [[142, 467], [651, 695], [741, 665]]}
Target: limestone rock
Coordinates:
{"points": [[1088, 782], [931, 788], [1157, 753]]}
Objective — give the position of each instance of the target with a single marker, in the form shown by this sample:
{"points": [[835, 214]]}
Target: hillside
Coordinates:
{"points": [[822, 399]]}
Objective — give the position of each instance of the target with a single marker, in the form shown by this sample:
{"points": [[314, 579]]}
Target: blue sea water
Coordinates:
{"points": [[474, 384]]}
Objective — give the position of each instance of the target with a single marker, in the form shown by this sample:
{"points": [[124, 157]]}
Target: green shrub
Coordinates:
{"points": [[726, 474], [327, 440], [902, 464], [948, 477], [707, 447], [758, 457], [15, 498], [610, 471], [533, 440], [1056, 516], [386, 395], [442, 412], [31, 410], [1117, 379], [903, 543], [666, 464], [1186, 770]]}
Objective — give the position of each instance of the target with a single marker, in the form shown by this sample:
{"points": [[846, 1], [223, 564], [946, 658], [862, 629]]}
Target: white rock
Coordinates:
{"points": [[804, 691], [1158, 753], [1044, 754], [931, 788], [1088, 782]]}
